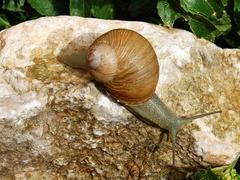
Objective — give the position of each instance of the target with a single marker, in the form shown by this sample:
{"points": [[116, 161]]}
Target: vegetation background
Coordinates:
{"points": [[214, 20]]}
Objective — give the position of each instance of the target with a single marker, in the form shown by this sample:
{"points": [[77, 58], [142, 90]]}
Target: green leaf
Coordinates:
{"points": [[80, 8], [102, 9], [224, 2], [167, 13], [198, 7], [4, 22], [217, 7], [211, 11], [205, 175], [221, 173], [223, 24], [44, 7], [13, 5], [227, 172], [202, 30], [236, 5]]}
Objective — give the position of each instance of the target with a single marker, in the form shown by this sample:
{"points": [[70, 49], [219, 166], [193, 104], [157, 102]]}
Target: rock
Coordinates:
{"points": [[55, 123]]}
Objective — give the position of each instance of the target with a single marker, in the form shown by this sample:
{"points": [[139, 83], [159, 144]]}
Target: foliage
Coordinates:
{"points": [[208, 19], [220, 173], [215, 20]]}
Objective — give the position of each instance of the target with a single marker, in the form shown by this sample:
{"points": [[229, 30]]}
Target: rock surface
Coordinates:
{"points": [[55, 123]]}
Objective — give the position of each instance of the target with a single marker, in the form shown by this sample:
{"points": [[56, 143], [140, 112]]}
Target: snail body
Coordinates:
{"points": [[126, 65], [155, 112]]}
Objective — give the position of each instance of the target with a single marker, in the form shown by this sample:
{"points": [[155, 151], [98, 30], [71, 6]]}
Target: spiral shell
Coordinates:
{"points": [[126, 63]]}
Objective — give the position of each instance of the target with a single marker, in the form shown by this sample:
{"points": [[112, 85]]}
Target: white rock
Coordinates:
{"points": [[196, 76]]}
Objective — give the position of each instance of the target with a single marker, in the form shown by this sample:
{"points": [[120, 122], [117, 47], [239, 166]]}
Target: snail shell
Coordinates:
{"points": [[126, 63]]}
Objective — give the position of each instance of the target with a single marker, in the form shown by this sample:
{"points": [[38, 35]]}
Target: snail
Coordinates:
{"points": [[126, 65]]}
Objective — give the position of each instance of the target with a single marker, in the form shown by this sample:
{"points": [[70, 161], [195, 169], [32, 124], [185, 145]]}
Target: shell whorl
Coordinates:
{"points": [[126, 63], [102, 62]]}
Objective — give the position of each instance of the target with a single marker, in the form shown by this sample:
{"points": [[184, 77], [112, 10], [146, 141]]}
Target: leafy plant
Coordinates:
{"points": [[44, 7], [215, 20], [220, 173], [207, 19]]}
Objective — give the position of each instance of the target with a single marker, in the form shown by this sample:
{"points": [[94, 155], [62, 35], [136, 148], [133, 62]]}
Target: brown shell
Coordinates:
{"points": [[137, 72]]}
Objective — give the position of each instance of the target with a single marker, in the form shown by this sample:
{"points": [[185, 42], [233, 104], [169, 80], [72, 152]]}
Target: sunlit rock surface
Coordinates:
{"points": [[55, 123]]}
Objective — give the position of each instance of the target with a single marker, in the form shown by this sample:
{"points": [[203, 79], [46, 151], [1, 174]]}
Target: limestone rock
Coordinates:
{"points": [[55, 123]]}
